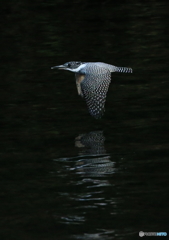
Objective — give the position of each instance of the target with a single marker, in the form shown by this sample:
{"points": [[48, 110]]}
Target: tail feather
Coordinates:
{"points": [[124, 69]]}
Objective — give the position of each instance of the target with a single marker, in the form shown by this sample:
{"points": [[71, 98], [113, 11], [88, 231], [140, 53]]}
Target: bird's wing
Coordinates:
{"points": [[94, 88]]}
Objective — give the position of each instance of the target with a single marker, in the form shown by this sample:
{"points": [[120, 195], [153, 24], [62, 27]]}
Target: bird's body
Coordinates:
{"points": [[92, 81]]}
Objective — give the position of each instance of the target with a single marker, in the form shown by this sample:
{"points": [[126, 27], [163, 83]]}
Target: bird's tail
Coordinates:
{"points": [[124, 69]]}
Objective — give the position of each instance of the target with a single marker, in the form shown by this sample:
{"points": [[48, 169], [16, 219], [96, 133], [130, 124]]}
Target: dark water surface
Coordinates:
{"points": [[65, 175]]}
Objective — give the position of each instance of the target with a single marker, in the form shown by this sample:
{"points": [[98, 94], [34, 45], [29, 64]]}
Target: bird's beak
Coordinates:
{"points": [[59, 67]]}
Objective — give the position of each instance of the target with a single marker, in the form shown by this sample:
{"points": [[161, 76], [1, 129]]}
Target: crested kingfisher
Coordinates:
{"points": [[92, 81]]}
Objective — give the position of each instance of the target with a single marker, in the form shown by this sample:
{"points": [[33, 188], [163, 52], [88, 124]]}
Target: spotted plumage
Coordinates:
{"points": [[92, 81]]}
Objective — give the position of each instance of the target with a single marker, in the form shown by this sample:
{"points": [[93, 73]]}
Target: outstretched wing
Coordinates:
{"points": [[94, 88]]}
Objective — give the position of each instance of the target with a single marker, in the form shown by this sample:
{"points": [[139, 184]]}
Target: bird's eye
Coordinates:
{"points": [[69, 65]]}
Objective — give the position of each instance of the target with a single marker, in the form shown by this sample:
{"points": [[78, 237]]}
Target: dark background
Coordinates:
{"points": [[45, 194]]}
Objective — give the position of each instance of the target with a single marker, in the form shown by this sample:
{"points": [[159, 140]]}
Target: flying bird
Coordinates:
{"points": [[92, 81]]}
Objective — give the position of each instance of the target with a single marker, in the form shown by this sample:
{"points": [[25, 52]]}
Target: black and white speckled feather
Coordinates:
{"points": [[95, 87]]}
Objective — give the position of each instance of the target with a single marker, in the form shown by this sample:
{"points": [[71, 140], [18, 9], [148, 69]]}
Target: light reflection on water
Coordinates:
{"points": [[90, 172], [100, 191]]}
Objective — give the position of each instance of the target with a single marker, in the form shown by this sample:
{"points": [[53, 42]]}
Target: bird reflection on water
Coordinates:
{"points": [[92, 159], [87, 176], [95, 160]]}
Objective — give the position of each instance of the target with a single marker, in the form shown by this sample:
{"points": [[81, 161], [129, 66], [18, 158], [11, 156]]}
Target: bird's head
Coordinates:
{"points": [[73, 66]]}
